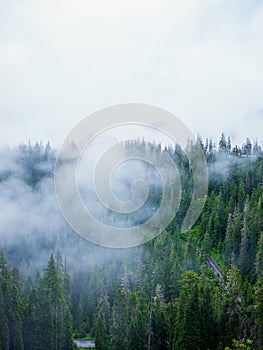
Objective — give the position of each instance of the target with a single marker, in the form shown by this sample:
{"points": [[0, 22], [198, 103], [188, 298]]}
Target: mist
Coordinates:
{"points": [[32, 226]]}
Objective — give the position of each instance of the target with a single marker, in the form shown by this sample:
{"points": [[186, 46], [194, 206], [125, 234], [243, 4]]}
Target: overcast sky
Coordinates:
{"points": [[199, 59]]}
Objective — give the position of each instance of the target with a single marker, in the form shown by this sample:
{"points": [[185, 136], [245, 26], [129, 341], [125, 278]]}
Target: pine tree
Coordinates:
{"points": [[233, 303], [223, 144], [259, 309], [10, 308], [228, 243], [30, 321], [244, 250], [187, 325], [137, 315], [119, 322], [159, 321], [228, 145], [3, 323], [259, 257], [207, 320], [54, 310], [248, 147], [102, 339]]}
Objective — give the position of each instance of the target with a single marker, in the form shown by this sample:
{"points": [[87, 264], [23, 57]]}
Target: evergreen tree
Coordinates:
{"points": [[205, 301], [10, 308], [228, 243], [259, 257], [137, 323], [119, 322], [259, 309], [233, 303], [102, 339], [159, 321], [223, 144], [30, 322], [54, 311], [244, 250], [187, 325]]}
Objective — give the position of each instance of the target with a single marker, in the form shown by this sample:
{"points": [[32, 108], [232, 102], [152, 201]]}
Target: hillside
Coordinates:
{"points": [[198, 289]]}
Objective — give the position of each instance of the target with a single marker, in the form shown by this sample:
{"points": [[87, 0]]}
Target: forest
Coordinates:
{"points": [[195, 290]]}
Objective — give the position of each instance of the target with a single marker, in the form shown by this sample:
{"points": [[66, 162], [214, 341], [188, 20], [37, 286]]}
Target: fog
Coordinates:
{"points": [[32, 226]]}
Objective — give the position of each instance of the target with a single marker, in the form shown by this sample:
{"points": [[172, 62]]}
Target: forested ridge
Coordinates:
{"points": [[160, 296]]}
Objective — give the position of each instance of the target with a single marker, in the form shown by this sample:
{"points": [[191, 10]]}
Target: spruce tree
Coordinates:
{"points": [[244, 249], [54, 310], [187, 324], [259, 309]]}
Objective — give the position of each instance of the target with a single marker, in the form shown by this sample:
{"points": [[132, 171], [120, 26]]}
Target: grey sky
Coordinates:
{"points": [[199, 59]]}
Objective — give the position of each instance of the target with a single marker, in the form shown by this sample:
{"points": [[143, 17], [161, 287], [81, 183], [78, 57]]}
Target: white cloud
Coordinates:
{"points": [[60, 60]]}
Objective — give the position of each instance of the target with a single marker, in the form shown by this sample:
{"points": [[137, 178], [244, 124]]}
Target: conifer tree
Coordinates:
{"points": [[102, 339], [244, 249], [187, 324], [259, 309], [10, 308], [259, 257], [54, 311]]}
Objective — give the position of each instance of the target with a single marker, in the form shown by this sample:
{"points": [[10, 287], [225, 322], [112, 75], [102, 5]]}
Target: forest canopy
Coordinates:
{"points": [[200, 289]]}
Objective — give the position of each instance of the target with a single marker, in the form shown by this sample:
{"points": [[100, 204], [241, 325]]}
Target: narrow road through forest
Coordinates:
{"points": [[212, 264], [85, 343]]}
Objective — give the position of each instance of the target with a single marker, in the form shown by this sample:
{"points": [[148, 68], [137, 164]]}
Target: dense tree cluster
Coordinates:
{"points": [[163, 295], [35, 314], [166, 296]]}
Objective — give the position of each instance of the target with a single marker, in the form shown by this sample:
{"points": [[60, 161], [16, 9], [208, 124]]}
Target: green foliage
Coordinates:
{"points": [[164, 295], [26, 310], [11, 309], [188, 325], [241, 345]]}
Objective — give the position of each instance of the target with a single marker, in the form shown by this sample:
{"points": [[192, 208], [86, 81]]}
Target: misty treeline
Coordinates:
{"points": [[159, 296]]}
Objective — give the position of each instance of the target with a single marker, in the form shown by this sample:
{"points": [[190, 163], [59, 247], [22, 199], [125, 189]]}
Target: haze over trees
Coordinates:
{"points": [[164, 295]]}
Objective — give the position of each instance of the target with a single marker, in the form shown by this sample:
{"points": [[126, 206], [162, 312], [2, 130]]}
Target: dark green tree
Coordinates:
{"points": [[187, 324]]}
